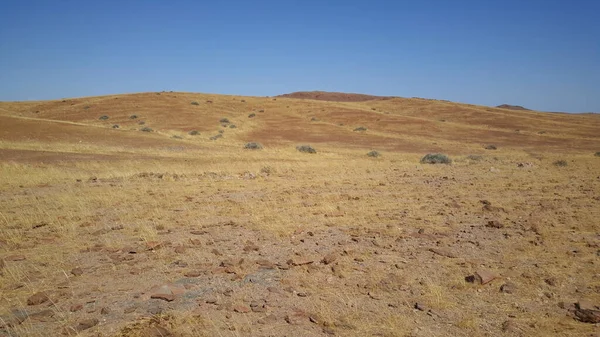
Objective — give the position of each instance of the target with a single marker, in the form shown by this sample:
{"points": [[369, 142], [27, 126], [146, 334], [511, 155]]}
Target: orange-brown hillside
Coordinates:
{"points": [[392, 124]]}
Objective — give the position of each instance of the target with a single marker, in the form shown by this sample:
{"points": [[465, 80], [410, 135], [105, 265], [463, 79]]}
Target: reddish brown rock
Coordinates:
{"points": [[76, 307], [38, 298], [193, 273], [443, 252], [77, 271], [15, 258], [153, 245], [86, 324], [485, 276], [329, 258], [242, 309]]}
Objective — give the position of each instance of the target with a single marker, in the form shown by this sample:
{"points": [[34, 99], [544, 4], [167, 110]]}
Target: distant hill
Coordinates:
{"points": [[512, 107], [334, 96]]}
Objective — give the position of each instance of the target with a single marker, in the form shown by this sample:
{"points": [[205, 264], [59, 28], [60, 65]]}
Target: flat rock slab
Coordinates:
{"points": [[167, 292], [443, 252], [485, 276], [38, 298]]}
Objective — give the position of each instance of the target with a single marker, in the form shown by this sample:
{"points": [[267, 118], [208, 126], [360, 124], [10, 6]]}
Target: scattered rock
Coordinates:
{"points": [[507, 288], [76, 307], [329, 258], [38, 298], [15, 258], [242, 309], [300, 261], [166, 292], [77, 271], [105, 311], [296, 318], [443, 252], [494, 224], [86, 324], [481, 277], [485, 276], [153, 245], [421, 307], [551, 281]]}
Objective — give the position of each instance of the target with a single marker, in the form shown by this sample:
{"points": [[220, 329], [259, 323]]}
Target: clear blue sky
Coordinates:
{"points": [[542, 54]]}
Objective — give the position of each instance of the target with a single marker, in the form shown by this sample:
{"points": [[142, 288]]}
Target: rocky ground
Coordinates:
{"points": [[382, 247]]}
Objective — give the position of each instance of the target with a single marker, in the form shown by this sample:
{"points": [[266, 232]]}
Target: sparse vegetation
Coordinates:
{"points": [[474, 157], [360, 129], [116, 126], [133, 117], [261, 110], [314, 119], [224, 120], [232, 126], [253, 146], [195, 103], [146, 129], [306, 149], [176, 137], [141, 123], [436, 158], [103, 118], [86, 107], [252, 115], [193, 133], [597, 154], [221, 131], [374, 154], [560, 163], [490, 147], [215, 137]]}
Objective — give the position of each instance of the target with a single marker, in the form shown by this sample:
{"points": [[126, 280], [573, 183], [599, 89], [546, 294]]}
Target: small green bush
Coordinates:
{"points": [[133, 117], [252, 115], [253, 146], [221, 131], [306, 149], [176, 137], [491, 147], [232, 126], [373, 154], [261, 110], [560, 163], [597, 154], [146, 129], [436, 158], [103, 118], [360, 128], [194, 133], [224, 120], [215, 137], [195, 103]]}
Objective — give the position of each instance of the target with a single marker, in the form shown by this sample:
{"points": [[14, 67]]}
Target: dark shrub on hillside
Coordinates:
{"points": [[133, 117], [221, 131], [176, 137], [253, 146], [224, 120], [142, 123], [436, 158], [597, 154], [195, 103], [261, 110], [146, 129], [243, 101], [373, 154], [306, 149], [560, 163], [490, 147], [215, 137], [314, 119], [194, 133], [103, 118], [232, 126], [360, 128], [116, 126], [251, 115], [86, 107]]}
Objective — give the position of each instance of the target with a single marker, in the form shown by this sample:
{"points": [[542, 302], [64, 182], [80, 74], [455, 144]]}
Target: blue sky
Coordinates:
{"points": [[544, 55]]}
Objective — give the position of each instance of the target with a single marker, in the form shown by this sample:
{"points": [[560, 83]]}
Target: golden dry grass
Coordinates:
{"points": [[75, 191]]}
